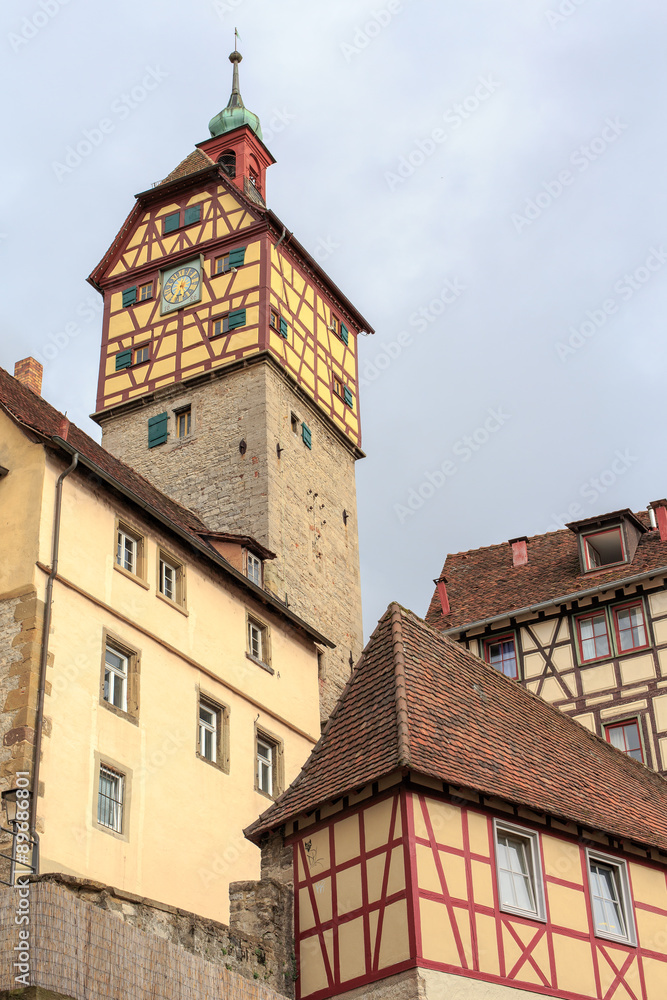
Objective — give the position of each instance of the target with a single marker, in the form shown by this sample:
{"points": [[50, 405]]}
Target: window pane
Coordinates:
{"points": [[594, 638], [607, 910], [115, 679], [126, 552], [502, 656], [110, 799], [514, 873], [631, 631], [626, 738]]}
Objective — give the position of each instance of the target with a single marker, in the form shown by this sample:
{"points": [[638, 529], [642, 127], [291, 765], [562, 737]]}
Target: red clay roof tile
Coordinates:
{"points": [[483, 583], [469, 726]]}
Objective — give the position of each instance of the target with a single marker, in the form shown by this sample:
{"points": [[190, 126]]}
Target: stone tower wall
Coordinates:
{"points": [[292, 503]]}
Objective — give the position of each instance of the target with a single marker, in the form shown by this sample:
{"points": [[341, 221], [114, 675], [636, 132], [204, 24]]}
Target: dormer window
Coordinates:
{"points": [[603, 548], [609, 540], [254, 568]]}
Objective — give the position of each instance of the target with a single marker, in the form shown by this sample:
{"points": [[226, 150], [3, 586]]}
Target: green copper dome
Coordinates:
{"points": [[235, 113]]}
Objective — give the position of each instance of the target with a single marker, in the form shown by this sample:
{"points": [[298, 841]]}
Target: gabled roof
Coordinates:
{"points": [[194, 162], [483, 583], [37, 415], [419, 701]]}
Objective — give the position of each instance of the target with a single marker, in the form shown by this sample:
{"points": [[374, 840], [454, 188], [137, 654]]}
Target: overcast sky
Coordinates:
{"points": [[484, 180]]}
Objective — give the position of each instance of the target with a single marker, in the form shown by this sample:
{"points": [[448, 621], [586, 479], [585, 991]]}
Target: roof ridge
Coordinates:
{"points": [[400, 686]]}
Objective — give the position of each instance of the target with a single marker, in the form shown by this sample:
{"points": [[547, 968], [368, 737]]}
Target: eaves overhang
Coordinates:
{"points": [[564, 599], [194, 542]]}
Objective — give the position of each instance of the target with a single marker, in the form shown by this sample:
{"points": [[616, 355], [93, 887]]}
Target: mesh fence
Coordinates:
{"points": [[83, 952]]}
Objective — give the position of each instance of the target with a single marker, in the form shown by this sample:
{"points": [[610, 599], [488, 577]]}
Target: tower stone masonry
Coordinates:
{"points": [[229, 376]]}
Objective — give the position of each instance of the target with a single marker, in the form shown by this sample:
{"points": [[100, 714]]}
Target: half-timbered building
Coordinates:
{"points": [[454, 835], [229, 376], [578, 616]]}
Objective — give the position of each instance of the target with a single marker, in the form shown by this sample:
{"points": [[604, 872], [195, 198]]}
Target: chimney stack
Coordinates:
{"points": [[519, 551], [659, 508], [441, 584], [29, 373]]}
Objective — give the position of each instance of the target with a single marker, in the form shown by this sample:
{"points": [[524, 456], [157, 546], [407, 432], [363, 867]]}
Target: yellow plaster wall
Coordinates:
{"points": [[21, 499], [169, 785]]}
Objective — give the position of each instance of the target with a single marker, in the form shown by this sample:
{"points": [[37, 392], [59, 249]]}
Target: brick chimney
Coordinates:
{"points": [[660, 510], [441, 584], [29, 373], [519, 551]]}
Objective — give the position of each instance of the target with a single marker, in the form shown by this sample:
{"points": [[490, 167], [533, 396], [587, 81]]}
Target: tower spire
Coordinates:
{"points": [[235, 113]]}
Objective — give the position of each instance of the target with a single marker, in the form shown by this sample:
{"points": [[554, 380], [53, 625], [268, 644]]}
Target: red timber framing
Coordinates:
{"points": [[454, 919], [551, 664], [276, 273]]}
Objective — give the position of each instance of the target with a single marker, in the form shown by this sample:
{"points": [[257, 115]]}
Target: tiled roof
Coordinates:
{"points": [[40, 416], [420, 701], [193, 162], [483, 583]]}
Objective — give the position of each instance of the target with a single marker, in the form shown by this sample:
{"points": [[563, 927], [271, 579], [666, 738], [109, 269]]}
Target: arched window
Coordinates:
{"points": [[227, 161]]}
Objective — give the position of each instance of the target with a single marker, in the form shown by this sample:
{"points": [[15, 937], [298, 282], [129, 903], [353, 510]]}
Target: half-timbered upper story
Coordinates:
{"points": [[452, 834], [579, 617], [202, 275]]}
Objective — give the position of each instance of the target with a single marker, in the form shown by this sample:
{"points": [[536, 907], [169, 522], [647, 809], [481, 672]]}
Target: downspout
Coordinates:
{"points": [[39, 718]]}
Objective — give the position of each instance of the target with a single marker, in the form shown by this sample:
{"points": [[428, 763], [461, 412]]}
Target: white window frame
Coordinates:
{"points": [[123, 537], [622, 885], [114, 676], [210, 728], [265, 765], [531, 840], [258, 639], [164, 584], [115, 809], [254, 568]]}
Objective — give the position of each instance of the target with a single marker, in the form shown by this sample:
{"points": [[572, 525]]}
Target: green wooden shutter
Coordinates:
{"points": [[306, 436], [344, 333], [236, 319], [130, 296], [237, 257], [283, 328], [157, 429], [171, 222], [192, 214], [347, 396], [123, 360]]}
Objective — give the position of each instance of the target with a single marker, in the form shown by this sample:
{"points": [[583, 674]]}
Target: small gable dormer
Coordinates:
{"points": [[608, 540]]}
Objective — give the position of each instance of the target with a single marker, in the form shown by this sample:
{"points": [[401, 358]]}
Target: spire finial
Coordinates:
{"points": [[235, 113]]}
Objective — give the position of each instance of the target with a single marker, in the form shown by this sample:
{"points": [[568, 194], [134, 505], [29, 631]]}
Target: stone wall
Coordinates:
{"points": [[292, 503], [90, 941], [21, 622]]}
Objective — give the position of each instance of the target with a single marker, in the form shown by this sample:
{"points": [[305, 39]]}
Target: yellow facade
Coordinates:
{"points": [[181, 840], [306, 335], [413, 880]]}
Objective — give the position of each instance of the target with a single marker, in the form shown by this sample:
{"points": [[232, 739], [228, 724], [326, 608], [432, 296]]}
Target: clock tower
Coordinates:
{"points": [[229, 378]]}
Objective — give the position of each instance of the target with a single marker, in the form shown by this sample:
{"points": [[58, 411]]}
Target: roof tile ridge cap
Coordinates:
{"points": [[400, 687]]}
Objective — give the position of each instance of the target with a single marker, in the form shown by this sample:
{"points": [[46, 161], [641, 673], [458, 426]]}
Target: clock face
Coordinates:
{"points": [[181, 286]]}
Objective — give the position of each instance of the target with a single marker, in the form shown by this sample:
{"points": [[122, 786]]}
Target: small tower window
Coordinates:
{"points": [[183, 422], [146, 291], [228, 163]]}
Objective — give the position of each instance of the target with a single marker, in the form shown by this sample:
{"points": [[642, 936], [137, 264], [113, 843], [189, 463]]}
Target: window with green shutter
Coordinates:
{"points": [[192, 214], [129, 296], [171, 222], [344, 333], [157, 429], [123, 360], [283, 328], [236, 319], [237, 257], [347, 396], [306, 436]]}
